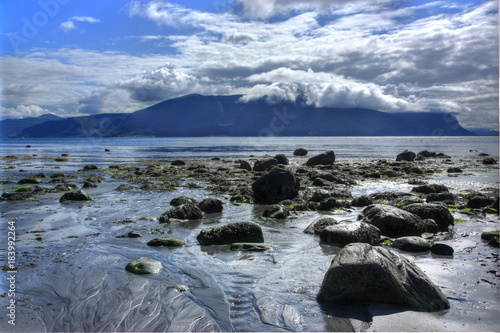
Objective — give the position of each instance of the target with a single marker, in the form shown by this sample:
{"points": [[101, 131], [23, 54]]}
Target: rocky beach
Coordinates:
{"points": [[292, 242]]}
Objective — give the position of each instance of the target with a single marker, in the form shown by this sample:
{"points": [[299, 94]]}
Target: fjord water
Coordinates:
{"points": [[79, 282], [139, 148]]}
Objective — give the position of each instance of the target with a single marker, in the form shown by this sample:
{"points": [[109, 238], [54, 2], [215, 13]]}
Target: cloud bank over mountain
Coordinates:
{"points": [[385, 55]]}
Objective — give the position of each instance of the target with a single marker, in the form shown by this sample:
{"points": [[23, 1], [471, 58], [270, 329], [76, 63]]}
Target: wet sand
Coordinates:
{"points": [[71, 263]]}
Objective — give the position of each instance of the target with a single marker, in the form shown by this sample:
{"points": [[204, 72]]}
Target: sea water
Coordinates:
{"points": [[140, 148]]}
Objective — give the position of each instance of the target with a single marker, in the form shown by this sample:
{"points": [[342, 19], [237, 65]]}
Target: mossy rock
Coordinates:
{"points": [[30, 181], [488, 235], [144, 265], [168, 242], [75, 196]]}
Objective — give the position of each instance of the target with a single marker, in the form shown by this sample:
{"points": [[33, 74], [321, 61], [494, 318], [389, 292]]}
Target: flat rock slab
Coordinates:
{"points": [[144, 265], [364, 273]]}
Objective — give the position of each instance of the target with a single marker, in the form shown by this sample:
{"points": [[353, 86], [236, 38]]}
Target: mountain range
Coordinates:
{"points": [[198, 115]]}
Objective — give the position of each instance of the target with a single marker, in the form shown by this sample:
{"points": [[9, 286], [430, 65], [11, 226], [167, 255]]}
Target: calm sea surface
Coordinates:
{"points": [[243, 146]]}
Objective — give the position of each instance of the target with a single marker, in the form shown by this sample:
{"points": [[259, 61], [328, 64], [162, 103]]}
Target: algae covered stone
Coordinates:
{"points": [[239, 232], [144, 265], [168, 242], [79, 195]]}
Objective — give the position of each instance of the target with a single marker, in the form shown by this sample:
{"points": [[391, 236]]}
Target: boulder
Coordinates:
{"points": [[239, 232], [488, 235], [211, 205], [90, 167], [430, 188], [262, 165], [426, 154], [183, 212], [361, 201], [168, 242], [480, 201], [489, 160], [442, 249], [178, 162], [326, 158], [300, 152], [406, 156], [250, 247], [282, 159], [395, 222], [346, 233], [319, 224], [438, 213], [412, 244], [144, 265], [245, 165], [363, 273], [320, 195], [30, 181], [276, 212], [439, 197], [454, 170], [275, 186], [182, 200], [79, 195]]}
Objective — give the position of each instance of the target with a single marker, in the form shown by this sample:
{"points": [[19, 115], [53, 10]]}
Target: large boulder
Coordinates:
{"points": [[275, 186], [262, 165], [363, 273], [282, 159], [395, 222], [406, 156], [438, 213], [183, 212], [346, 233], [319, 224], [239, 232], [326, 158]]}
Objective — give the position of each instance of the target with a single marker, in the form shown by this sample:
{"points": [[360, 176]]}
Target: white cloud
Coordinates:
{"points": [[23, 111], [69, 25], [88, 19], [376, 54]]}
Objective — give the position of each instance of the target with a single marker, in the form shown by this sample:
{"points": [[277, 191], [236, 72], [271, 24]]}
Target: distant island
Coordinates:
{"points": [[198, 115]]}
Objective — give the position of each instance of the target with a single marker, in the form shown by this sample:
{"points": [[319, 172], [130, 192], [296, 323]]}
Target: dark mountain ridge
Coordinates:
{"points": [[197, 115]]}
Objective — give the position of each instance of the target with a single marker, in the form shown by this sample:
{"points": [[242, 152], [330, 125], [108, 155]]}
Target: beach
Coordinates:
{"points": [[70, 256]]}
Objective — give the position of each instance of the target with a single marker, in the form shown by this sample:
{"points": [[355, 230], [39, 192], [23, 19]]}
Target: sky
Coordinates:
{"points": [[84, 57]]}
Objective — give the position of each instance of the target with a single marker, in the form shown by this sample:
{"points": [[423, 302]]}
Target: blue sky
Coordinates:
{"points": [[76, 57]]}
